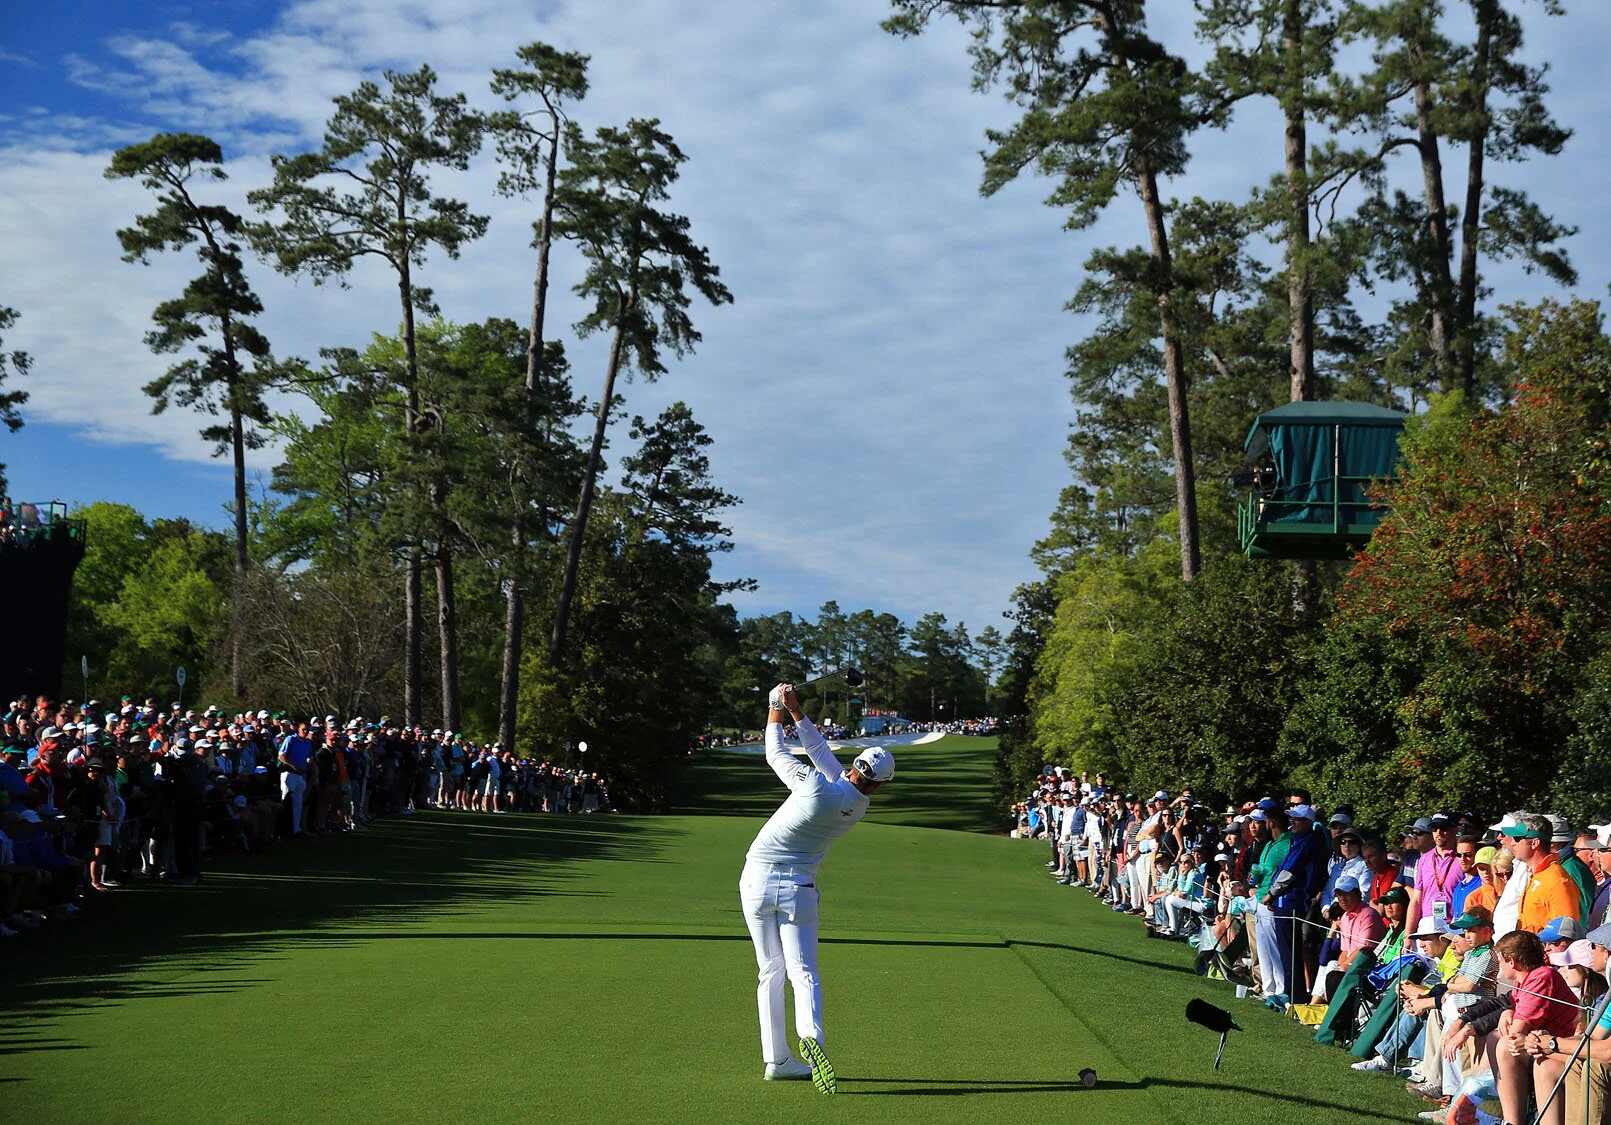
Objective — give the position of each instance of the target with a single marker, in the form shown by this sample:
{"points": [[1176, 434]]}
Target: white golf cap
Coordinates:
{"points": [[1602, 833], [876, 762]]}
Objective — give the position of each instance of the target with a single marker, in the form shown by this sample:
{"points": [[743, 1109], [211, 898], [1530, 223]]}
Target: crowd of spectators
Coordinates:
{"points": [[23, 524], [94, 799], [983, 728], [1465, 956]]}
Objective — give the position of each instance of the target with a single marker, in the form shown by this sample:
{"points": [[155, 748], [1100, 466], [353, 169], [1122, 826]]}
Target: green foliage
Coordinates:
{"points": [[1450, 674], [1102, 100], [216, 306], [367, 191], [641, 261], [15, 362], [148, 597], [638, 681], [1426, 91], [1104, 603], [1206, 690], [669, 478], [336, 470], [526, 141], [1581, 790]]}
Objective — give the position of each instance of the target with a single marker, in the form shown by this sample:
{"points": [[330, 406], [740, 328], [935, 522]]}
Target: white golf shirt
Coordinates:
{"points": [[1094, 830], [1066, 828], [821, 807]]}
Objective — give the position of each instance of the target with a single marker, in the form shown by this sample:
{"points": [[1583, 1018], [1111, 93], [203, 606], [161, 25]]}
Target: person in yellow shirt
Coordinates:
{"points": [[1550, 892]]}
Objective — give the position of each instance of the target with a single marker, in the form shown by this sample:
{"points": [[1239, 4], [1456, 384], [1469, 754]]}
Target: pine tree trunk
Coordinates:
{"points": [[584, 503], [1471, 216], [514, 619], [413, 593], [237, 640], [1300, 288], [413, 600], [1300, 254], [1175, 370], [1441, 284], [514, 626], [1174, 353], [447, 621]]}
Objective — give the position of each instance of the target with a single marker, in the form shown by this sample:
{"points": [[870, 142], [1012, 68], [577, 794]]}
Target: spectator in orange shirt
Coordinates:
{"points": [[1550, 892], [1487, 894]]}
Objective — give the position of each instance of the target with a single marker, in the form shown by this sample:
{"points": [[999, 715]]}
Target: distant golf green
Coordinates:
{"points": [[530, 968]]}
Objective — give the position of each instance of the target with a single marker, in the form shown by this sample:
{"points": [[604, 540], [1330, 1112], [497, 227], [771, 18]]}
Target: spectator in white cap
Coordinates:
{"points": [[1508, 908], [1602, 867]]}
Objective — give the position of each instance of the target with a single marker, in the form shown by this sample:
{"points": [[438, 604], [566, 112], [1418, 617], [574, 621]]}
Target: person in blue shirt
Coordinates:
{"points": [[1297, 883], [12, 783], [1465, 851], [296, 751]]}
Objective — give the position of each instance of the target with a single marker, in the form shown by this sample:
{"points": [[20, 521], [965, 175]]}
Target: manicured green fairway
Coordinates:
{"points": [[524, 968]]}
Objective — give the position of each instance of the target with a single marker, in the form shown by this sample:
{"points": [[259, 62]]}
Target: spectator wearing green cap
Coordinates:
{"points": [[1550, 892], [1474, 979]]}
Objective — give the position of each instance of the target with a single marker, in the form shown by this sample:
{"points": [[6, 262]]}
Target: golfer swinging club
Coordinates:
{"points": [[779, 886]]}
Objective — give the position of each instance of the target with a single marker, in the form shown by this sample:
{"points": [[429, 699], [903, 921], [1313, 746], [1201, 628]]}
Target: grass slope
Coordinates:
{"points": [[569, 968]]}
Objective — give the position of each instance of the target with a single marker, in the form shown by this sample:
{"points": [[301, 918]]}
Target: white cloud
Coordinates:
{"points": [[886, 393]]}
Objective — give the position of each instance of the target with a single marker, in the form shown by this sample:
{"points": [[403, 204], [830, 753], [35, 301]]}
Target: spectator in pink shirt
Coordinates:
{"points": [[1541, 1001], [1358, 927]]}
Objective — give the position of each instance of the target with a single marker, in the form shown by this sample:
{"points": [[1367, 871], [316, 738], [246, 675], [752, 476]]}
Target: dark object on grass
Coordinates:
{"points": [[1204, 1014], [1088, 1078]]}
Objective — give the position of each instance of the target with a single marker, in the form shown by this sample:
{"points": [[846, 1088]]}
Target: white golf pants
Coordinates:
{"points": [[780, 908], [1272, 971], [1140, 880], [292, 787]]}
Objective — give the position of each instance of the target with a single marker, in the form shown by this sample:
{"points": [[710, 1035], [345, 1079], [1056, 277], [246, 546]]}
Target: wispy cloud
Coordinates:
{"points": [[886, 393]]}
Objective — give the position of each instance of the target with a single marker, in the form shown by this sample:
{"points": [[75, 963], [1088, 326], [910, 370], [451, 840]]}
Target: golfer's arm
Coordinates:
{"points": [[816, 748], [790, 770]]}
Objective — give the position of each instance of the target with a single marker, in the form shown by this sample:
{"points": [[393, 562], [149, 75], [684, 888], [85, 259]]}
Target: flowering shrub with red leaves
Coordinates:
{"points": [[1496, 541], [1488, 583]]}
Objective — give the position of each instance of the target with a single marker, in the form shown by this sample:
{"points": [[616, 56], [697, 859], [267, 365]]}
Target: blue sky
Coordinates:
{"points": [[886, 393]]}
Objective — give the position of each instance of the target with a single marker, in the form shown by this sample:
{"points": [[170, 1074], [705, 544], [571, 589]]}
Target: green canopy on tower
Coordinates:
{"points": [[1314, 463]]}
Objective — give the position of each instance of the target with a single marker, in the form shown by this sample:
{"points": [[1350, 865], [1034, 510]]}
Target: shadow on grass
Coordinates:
{"points": [[1141, 961], [955, 1087], [156, 940], [623, 935]]}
